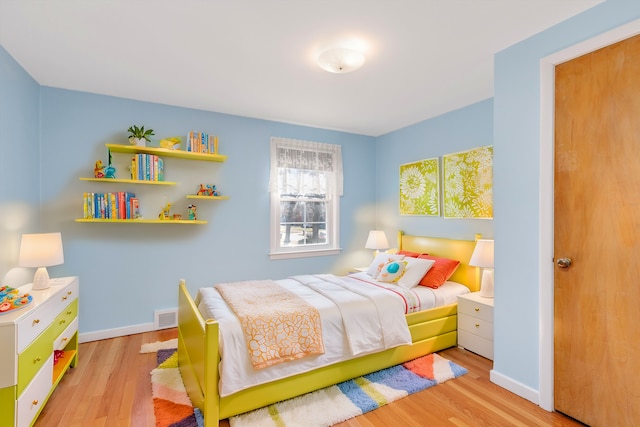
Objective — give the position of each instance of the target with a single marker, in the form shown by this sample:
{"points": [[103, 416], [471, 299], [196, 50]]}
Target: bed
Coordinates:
{"points": [[199, 350]]}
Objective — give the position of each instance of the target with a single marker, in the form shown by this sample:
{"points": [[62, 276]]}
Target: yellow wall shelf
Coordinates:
{"points": [[142, 221], [129, 181], [181, 154], [195, 196]]}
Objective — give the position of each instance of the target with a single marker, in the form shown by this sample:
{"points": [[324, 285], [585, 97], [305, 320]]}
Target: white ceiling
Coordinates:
{"points": [[256, 58]]}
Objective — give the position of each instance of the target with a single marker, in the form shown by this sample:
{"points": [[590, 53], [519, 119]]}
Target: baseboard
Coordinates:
{"points": [[515, 387], [116, 332]]}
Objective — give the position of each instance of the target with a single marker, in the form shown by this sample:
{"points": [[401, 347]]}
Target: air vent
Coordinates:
{"points": [[164, 319]]}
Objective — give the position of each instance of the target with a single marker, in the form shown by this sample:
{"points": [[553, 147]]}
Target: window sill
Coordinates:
{"points": [[304, 254]]}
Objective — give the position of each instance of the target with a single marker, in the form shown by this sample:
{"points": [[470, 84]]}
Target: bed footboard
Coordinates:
{"points": [[198, 357]]}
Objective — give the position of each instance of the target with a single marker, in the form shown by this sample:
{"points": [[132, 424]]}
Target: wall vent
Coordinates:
{"points": [[164, 319]]}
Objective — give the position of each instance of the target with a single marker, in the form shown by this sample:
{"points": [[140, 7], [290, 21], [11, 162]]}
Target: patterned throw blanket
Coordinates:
{"points": [[278, 325]]}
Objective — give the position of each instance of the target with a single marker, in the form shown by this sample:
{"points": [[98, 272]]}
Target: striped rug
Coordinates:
{"points": [[346, 400]]}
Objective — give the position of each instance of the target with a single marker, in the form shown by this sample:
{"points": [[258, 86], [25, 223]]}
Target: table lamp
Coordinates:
{"points": [[377, 240], [483, 257], [41, 251]]}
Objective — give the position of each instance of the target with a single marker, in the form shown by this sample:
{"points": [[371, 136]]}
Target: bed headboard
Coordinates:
{"points": [[460, 250]]}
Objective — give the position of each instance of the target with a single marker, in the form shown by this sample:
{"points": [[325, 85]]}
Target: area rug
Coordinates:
{"points": [[346, 400]]}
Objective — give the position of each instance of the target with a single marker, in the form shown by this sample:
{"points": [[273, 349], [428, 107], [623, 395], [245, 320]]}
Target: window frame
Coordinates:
{"points": [[332, 217]]}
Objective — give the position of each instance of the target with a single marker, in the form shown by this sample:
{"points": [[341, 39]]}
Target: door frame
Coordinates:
{"points": [[546, 197]]}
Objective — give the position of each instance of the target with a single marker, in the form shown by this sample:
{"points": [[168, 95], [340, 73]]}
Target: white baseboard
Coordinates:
{"points": [[116, 332], [516, 387]]}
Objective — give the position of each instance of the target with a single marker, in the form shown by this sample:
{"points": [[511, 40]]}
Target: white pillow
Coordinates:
{"points": [[415, 271], [380, 261], [392, 271]]}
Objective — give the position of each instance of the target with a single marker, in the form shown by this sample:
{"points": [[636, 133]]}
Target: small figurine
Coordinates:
{"points": [[98, 170], [165, 214], [208, 190], [110, 171], [203, 191], [191, 209], [177, 216]]}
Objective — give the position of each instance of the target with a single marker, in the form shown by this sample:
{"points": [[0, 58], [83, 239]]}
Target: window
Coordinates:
{"points": [[305, 186]]}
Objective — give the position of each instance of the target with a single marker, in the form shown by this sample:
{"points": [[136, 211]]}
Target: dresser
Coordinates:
{"points": [[475, 324], [30, 337]]}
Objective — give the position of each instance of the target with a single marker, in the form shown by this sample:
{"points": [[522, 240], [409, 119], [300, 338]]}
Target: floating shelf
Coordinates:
{"points": [[129, 181], [195, 196], [181, 154], [141, 221]]}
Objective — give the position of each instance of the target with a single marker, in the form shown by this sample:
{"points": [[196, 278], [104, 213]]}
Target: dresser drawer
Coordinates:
{"points": [[35, 395], [65, 318], [33, 358], [35, 323], [475, 309], [68, 295], [66, 336], [475, 326], [475, 343]]}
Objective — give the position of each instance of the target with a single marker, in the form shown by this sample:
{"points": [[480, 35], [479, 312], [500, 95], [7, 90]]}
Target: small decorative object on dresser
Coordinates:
{"points": [[475, 324], [44, 336]]}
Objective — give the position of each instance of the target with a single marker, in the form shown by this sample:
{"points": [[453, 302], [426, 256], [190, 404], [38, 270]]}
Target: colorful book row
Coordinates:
{"points": [[202, 142], [147, 167], [119, 205]]}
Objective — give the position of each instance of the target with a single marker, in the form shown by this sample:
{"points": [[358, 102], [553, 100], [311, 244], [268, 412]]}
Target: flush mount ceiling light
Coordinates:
{"points": [[340, 60]]}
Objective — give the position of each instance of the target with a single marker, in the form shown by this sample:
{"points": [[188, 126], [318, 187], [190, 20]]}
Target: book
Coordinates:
{"points": [[135, 208]]}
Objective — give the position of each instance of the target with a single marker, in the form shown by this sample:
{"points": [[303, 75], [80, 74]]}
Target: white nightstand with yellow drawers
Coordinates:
{"points": [[29, 336], [475, 324]]}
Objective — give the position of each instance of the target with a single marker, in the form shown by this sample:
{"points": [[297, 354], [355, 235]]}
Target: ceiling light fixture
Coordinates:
{"points": [[340, 60]]}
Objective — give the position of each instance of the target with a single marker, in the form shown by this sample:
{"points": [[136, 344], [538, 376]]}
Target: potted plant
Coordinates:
{"points": [[139, 136]]}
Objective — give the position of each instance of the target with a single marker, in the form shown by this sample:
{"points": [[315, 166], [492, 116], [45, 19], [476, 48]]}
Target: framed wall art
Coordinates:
{"points": [[420, 188], [467, 179]]}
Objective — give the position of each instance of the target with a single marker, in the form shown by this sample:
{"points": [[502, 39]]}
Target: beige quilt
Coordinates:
{"points": [[278, 325]]}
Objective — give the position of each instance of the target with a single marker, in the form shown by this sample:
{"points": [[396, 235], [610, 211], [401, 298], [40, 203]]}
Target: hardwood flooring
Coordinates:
{"points": [[111, 387]]}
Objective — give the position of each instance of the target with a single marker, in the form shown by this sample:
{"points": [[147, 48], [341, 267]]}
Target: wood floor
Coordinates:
{"points": [[111, 387]]}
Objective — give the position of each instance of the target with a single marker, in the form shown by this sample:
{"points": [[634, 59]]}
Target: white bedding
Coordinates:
{"points": [[390, 329]]}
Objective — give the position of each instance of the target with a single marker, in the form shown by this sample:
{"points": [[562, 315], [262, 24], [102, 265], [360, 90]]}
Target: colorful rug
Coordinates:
{"points": [[171, 404], [346, 400]]}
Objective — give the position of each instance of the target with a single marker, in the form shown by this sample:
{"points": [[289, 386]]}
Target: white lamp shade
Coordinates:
{"points": [[482, 254], [41, 251], [377, 240]]}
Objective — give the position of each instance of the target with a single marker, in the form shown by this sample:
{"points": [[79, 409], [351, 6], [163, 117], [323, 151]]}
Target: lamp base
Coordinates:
{"points": [[41, 279], [486, 285]]}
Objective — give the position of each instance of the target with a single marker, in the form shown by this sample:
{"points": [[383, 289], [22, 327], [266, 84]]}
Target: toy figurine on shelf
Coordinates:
{"points": [[191, 211], [203, 191], [110, 171], [165, 214], [208, 190], [98, 170]]}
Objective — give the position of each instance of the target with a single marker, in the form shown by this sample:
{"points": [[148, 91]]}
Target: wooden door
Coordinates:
{"points": [[597, 226]]}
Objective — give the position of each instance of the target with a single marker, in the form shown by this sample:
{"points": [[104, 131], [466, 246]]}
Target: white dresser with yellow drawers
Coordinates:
{"points": [[475, 324], [29, 337]]}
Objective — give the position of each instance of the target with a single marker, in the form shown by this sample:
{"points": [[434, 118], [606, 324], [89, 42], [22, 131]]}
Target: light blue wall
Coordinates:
{"points": [[19, 160], [516, 184], [129, 270], [459, 130]]}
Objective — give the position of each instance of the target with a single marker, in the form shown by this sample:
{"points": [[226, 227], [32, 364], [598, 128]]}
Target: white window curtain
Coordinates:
{"points": [[293, 154]]}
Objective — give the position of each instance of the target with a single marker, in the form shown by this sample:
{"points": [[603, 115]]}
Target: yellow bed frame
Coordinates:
{"points": [[198, 352]]}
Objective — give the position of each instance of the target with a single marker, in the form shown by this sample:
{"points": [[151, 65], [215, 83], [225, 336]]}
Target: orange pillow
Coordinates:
{"points": [[439, 272], [409, 254]]}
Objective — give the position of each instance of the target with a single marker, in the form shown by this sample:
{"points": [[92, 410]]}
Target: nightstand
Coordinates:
{"points": [[475, 324]]}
